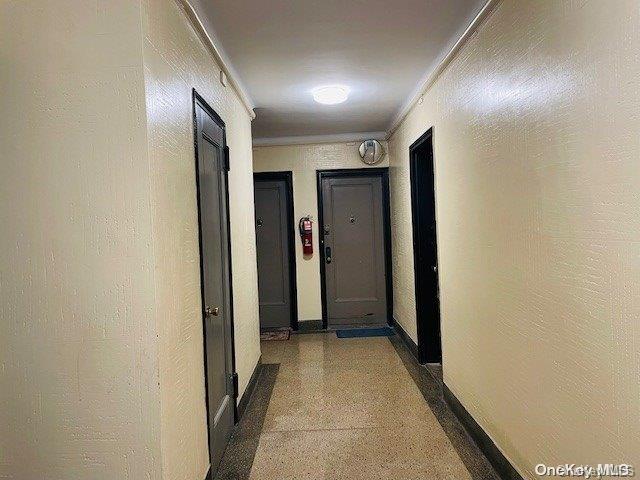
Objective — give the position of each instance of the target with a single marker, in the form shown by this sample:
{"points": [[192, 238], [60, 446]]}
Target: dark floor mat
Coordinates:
{"points": [[275, 335], [365, 332]]}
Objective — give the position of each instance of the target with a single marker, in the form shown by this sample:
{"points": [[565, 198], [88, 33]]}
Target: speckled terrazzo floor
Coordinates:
{"points": [[358, 408]]}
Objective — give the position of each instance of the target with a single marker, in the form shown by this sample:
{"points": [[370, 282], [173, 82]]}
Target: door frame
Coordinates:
{"points": [[198, 100], [429, 350], [287, 176], [383, 173]]}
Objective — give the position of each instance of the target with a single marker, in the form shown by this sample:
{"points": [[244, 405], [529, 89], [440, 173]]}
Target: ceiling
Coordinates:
{"points": [[382, 50]]}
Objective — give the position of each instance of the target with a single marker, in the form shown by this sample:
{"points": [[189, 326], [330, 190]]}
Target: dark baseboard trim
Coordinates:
{"points": [[408, 341], [310, 326], [499, 462], [246, 396]]}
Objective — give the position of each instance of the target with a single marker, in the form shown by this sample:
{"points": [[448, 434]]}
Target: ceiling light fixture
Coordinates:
{"points": [[331, 94]]}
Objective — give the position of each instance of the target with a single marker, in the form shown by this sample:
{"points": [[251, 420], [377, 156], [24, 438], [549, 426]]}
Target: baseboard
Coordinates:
{"points": [[309, 326], [246, 396], [500, 463], [408, 341]]}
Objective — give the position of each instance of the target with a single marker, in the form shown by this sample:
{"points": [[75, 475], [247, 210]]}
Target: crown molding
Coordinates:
{"points": [[219, 56], [314, 139], [427, 81], [432, 74]]}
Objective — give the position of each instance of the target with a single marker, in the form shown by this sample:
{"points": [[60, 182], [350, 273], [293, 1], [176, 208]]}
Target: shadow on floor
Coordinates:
{"points": [[429, 380], [238, 457]]}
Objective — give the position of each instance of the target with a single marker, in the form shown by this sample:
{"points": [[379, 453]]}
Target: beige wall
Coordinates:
{"points": [[101, 362], [303, 161], [175, 61], [79, 395], [537, 148]]}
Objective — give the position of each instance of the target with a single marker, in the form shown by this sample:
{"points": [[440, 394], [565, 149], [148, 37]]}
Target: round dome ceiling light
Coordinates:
{"points": [[331, 94]]}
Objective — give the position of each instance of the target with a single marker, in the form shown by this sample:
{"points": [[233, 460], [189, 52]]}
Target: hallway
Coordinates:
{"points": [[181, 179], [348, 408]]}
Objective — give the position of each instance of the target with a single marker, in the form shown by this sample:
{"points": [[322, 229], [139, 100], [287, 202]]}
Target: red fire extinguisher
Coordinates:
{"points": [[305, 235]]}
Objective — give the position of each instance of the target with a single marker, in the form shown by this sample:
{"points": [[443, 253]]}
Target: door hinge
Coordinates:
{"points": [[233, 384], [227, 163]]}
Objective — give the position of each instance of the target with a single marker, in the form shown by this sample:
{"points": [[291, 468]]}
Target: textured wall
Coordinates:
{"points": [[175, 61], [79, 394], [101, 362], [303, 161], [537, 147]]}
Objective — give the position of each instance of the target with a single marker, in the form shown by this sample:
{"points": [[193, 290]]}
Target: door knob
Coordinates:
{"points": [[208, 311]]}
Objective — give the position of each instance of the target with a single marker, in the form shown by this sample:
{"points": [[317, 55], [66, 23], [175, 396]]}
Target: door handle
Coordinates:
{"points": [[208, 311], [435, 268], [327, 254]]}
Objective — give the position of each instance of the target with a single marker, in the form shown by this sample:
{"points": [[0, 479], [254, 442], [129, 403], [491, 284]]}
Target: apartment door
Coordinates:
{"points": [[211, 163], [275, 243], [425, 252], [354, 247]]}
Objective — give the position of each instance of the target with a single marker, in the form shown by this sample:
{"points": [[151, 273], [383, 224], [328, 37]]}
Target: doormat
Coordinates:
{"points": [[365, 332], [277, 335]]}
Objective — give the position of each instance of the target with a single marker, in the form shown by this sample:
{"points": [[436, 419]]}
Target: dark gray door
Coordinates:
{"points": [[212, 193], [272, 242], [353, 219]]}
